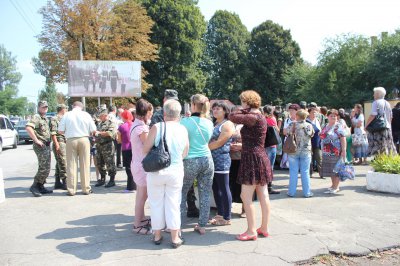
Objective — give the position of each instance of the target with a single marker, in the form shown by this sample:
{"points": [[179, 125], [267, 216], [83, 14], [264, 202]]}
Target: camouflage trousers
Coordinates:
{"points": [[61, 160], [44, 159], [105, 159]]}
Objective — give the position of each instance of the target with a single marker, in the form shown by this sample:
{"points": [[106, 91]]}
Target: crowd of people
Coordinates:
{"points": [[221, 151]]}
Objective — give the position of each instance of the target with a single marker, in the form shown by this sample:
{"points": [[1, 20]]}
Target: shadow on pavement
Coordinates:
{"points": [[89, 238]]}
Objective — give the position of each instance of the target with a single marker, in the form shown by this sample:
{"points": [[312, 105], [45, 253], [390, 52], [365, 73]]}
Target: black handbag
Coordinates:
{"points": [[158, 157], [272, 137], [378, 123]]}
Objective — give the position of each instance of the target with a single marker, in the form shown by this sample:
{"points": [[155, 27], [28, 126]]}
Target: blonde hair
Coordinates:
{"points": [[302, 114], [252, 98], [201, 103]]}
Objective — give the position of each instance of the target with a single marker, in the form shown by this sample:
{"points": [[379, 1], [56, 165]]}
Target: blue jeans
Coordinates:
{"points": [[299, 162], [271, 153]]}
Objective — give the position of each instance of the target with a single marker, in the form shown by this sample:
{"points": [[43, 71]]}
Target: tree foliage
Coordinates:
{"points": [[298, 80], [227, 42], [178, 31], [341, 72], [272, 51], [108, 30], [9, 80], [9, 76], [49, 94], [384, 66]]}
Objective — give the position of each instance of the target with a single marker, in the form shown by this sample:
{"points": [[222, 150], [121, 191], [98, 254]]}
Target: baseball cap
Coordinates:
{"points": [[43, 103]]}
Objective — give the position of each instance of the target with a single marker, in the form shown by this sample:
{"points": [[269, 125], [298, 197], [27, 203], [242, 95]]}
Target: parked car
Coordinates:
{"points": [[8, 134], [22, 133], [14, 120]]}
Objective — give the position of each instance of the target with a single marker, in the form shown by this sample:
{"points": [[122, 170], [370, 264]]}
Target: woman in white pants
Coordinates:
{"points": [[164, 188]]}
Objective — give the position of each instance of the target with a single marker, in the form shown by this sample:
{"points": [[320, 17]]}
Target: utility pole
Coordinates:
{"points": [[81, 58]]}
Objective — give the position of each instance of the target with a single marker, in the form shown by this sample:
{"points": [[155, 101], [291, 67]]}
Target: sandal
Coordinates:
{"points": [[138, 230], [246, 237], [243, 215], [261, 233], [222, 222], [215, 219], [157, 242], [177, 245], [199, 229]]}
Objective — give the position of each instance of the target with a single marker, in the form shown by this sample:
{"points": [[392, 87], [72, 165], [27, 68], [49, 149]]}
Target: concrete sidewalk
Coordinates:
{"points": [[96, 229]]}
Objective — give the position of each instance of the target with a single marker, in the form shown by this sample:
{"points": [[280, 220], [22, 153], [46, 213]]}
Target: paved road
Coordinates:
{"points": [[96, 229]]}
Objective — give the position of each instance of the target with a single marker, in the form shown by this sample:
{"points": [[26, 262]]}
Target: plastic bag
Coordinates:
{"points": [[344, 170]]}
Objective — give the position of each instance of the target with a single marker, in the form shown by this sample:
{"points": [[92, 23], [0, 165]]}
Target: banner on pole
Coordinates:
{"points": [[104, 78]]}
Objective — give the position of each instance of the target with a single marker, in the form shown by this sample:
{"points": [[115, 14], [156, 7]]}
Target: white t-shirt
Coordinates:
{"points": [[287, 122], [77, 124], [177, 138]]}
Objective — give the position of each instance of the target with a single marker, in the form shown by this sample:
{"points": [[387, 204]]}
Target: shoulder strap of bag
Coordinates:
{"points": [[130, 134], [194, 121], [163, 140]]}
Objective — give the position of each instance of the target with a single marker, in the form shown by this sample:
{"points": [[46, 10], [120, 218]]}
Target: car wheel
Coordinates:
{"points": [[15, 143]]}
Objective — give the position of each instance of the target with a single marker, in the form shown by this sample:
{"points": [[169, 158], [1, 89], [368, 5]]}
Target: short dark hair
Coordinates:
{"points": [[333, 111], [324, 110], [268, 109], [142, 107], [223, 105], [112, 108]]}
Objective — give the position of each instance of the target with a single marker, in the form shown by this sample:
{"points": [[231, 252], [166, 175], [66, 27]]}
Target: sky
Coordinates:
{"points": [[310, 23]]}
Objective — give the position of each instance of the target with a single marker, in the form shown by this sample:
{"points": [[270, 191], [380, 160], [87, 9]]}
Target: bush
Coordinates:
{"points": [[387, 164]]}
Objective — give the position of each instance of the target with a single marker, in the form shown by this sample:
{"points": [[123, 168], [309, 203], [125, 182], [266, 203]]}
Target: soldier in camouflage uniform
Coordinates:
{"points": [[59, 148], [38, 130], [105, 135]]}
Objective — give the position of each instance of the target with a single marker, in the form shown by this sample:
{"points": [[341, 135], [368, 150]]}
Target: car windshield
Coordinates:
{"points": [[22, 123]]}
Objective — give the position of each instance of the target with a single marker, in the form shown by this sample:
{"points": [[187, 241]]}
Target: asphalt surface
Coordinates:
{"points": [[96, 229]]}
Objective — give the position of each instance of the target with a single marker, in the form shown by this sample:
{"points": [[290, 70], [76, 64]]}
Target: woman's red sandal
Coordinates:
{"points": [[261, 233], [246, 237]]}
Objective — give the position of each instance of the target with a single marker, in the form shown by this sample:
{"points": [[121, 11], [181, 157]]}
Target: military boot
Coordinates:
{"points": [[111, 183], [35, 190], [64, 183], [44, 190], [101, 181], [57, 183]]}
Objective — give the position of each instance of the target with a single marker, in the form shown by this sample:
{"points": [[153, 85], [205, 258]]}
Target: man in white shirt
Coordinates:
{"points": [[77, 126]]}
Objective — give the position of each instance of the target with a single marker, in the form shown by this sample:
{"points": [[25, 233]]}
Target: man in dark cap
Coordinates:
{"points": [[158, 116], [39, 131], [59, 148], [105, 136]]}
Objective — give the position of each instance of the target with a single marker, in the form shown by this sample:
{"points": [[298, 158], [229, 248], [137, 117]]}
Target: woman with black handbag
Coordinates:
{"points": [[164, 186], [271, 141], [380, 139]]}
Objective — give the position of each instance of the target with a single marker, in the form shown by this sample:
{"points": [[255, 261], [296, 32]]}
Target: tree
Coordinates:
{"points": [[107, 30], [9, 76], [341, 73], [384, 66], [9, 80], [299, 80], [227, 52], [49, 94], [178, 30], [272, 51]]}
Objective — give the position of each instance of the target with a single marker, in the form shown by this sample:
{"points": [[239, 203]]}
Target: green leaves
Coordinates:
{"points": [[178, 31], [386, 163], [226, 54]]}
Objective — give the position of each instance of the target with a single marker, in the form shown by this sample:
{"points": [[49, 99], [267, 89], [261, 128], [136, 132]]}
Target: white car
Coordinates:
{"points": [[8, 135]]}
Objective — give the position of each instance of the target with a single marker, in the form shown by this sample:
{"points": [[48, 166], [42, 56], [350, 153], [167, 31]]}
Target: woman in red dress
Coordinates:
{"points": [[255, 169]]}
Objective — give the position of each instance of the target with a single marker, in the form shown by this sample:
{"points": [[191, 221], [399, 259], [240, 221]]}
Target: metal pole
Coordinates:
{"points": [[110, 101], [98, 102], [81, 58]]}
